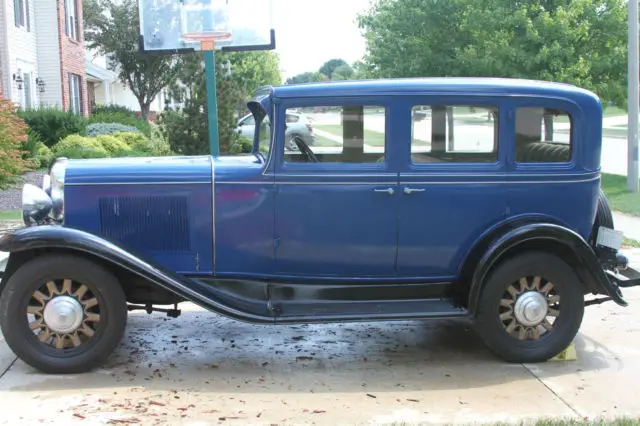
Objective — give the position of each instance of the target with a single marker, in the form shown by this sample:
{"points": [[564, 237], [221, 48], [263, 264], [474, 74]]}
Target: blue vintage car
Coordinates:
{"points": [[421, 198]]}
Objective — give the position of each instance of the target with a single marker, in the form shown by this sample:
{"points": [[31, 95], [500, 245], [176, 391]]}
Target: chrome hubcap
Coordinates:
{"points": [[63, 314], [530, 309]]}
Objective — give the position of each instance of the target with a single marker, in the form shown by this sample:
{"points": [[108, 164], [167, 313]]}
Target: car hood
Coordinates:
{"points": [[142, 170]]}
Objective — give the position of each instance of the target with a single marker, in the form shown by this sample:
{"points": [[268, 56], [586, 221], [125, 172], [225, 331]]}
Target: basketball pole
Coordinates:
{"points": [[208, 47]]}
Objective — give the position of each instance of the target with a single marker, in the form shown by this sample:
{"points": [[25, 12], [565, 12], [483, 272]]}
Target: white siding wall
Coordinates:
{"points": [[48, 47], [22, 52], [4, 49], [121, 95]]}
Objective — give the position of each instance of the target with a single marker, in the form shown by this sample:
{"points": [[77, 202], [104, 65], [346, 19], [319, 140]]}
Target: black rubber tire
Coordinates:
{"points": [[604, 217], [24, 343], [566, 325]]}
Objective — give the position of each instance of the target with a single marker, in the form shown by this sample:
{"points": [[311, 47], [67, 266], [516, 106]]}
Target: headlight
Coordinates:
{"points": [[36, 204], [56, 180]]}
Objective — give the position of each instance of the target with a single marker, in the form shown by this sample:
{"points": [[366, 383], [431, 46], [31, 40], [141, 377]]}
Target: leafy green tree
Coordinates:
{"points": [[187, 129], [329, 67], [112, 29], [579, 42], [307, 77], [343, 72]]}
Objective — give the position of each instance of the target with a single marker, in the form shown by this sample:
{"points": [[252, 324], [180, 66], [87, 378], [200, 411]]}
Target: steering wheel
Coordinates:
{"points": [[304, 148]]}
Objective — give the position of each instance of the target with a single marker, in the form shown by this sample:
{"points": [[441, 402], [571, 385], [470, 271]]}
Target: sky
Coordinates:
{"points": [[310, 32]]}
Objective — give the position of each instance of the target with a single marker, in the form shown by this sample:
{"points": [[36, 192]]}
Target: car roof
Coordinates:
{"points": [[436, 85]]}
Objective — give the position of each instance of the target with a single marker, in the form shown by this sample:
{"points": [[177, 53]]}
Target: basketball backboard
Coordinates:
{"points": [[177, 26]]}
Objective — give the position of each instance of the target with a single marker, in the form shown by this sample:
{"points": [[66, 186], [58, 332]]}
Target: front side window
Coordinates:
{"points": [[264, 134], [337, 134], [543, 135], [442, 134]]}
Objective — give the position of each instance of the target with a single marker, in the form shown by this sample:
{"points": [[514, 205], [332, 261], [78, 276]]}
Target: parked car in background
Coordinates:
{"points": [[299, 128], [449, 215]]}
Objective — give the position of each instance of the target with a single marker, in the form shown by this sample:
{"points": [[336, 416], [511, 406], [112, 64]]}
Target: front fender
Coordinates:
{"points": [[552, 236], [52, 238]]}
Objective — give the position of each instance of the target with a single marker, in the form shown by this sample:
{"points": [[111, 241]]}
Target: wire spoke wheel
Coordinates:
{"points": [[529, 308], [63, 314]]}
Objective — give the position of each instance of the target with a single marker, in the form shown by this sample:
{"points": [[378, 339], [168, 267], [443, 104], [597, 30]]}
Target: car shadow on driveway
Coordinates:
{"points": [[208, 353]]}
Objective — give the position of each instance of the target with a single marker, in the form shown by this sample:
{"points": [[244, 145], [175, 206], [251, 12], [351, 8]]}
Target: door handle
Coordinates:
{"points": [[408, 190], [389, 190]]}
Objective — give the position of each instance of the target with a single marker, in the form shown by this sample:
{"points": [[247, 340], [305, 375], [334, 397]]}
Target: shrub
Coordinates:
{"points": [[52, 124], [13, 136], [159, 144], [114, 146], [43, 155], [96, 129], [122, 118], [76, 146], [99, 109], [135, 141], [241, 146]]}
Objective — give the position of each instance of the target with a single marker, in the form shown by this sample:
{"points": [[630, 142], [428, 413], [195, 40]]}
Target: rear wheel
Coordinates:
{"points": [[530, 308], [63, 314], [604, 217]]}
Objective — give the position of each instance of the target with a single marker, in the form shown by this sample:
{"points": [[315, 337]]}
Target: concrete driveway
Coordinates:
{"points": [[202, 369]]}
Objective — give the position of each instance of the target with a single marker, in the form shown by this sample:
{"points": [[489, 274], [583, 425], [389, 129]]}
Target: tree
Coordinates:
{"points": [[112, 29], [307, 77], [343, 72], [329, 67], [577, 42], [187, 130]]}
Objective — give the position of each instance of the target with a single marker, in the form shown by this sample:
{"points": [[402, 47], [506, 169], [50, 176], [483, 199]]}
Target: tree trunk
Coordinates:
{"points": [[144, 110], [548, 128]]}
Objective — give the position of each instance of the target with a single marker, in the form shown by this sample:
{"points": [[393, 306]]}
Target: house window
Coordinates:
{"points": [[461, 133], [75, 93], [27, 91], [21, 13], [71, 18]]}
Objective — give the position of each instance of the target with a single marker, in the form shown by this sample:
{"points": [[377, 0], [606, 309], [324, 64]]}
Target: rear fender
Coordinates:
{"points": [[549, 237]]}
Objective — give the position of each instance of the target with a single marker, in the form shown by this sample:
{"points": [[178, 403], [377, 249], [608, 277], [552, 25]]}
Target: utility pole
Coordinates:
{"points": [[634, 77]]}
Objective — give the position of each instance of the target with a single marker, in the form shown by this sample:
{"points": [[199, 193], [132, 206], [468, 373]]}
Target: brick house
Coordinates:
{"points": [[42, 60]]}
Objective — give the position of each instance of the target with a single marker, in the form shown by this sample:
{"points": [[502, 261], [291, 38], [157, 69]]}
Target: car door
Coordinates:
{"points": [[336, 203], [452, 184]]}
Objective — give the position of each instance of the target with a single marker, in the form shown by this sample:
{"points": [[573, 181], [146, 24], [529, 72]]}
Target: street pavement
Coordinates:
{"points": [[202, 369]]}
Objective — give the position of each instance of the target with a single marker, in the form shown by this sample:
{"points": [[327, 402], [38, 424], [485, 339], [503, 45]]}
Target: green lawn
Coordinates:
{"points": [[10, 215], [615, 132], [620, 199], [371, 137]]}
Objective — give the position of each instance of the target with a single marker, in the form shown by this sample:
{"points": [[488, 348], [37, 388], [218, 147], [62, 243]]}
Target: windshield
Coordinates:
{"points": [[264, 135]]}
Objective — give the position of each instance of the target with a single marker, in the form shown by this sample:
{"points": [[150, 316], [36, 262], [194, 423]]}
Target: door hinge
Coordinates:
{"points": [[276, 243], [197, 261]]}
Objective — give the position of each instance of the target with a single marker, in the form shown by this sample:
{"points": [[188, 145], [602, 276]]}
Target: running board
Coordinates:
{"points": [[356, 311]]}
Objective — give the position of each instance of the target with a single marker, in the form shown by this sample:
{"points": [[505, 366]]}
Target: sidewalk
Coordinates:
{"points": [[629, 225]]}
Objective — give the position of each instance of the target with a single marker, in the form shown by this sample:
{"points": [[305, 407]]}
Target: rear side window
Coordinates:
{"points": [[543, 135], [445, 134]]}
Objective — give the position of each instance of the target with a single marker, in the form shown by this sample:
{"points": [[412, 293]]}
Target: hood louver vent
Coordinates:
{"points": [[147, 223]]}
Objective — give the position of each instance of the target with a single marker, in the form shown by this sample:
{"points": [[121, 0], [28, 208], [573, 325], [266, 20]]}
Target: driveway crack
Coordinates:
{"points": [[561, 399], [8, 368]]}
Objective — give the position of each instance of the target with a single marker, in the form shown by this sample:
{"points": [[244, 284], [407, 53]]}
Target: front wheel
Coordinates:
{"points": [[530, 308], [63, 313]]}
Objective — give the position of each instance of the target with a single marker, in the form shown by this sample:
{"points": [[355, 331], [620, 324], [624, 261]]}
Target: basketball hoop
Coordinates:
{"points": [[207, 39]]}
